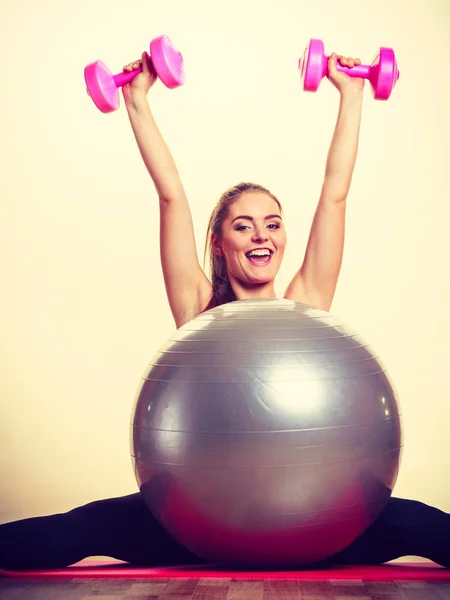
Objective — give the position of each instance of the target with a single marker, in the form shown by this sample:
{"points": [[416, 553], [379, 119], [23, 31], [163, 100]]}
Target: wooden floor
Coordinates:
{"points": [[220, 589]]}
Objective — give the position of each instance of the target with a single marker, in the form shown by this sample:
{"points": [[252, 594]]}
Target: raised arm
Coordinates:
{"points": [[315, 282], [188, 289]]}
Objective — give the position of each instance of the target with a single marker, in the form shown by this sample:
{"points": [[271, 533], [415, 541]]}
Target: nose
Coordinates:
{"points": [[259, 234]]}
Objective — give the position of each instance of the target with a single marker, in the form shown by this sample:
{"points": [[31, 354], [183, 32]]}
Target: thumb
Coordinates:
{"points": [[147, 65], [332, 65]]}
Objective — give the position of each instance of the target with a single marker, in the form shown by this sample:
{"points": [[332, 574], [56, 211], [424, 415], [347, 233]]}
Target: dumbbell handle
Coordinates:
{"points": [[126, 76], [356, 71]]}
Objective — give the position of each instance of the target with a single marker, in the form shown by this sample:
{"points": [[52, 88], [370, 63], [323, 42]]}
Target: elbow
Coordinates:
{"points": [[168, 196], [336, 188]]}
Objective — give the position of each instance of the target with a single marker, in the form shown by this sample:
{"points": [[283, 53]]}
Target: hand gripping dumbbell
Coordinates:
{"points": [[383, 73], [102, 85]]}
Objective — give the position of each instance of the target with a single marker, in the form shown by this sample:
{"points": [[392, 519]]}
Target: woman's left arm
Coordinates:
{"points": [[315, 282]]}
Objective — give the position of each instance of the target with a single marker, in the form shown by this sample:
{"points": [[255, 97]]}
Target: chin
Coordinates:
{"points": [[258, 276], [263, 278]]}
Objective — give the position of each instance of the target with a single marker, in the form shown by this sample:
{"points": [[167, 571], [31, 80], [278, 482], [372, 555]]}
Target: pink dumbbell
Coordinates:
{"points": [[382, 74], [102, 85]]}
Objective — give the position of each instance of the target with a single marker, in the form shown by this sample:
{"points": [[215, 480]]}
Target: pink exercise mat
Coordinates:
{"points": [[116, 569]]}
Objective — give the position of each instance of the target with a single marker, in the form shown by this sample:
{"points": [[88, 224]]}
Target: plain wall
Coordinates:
{"points": [[83, 304]]}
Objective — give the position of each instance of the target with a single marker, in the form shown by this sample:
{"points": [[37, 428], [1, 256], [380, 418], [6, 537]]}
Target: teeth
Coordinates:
{"points": [[259, 253]]}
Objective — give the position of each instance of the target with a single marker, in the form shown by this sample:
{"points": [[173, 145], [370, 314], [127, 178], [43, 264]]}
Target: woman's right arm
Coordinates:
{"points": [[188, 289]]}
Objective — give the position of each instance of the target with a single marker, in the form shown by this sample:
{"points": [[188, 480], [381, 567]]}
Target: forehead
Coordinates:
{"points": [[254, 204]]}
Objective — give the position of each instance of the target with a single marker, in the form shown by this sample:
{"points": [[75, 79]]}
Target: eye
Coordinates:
{"points": [[241, 227], [274, 225]]}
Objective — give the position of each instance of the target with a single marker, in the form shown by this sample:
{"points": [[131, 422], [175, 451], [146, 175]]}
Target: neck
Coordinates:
{"points": [[261, 290]]}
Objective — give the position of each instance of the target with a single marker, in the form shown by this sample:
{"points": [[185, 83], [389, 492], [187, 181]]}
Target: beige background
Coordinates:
{"points": [[83, 304]]}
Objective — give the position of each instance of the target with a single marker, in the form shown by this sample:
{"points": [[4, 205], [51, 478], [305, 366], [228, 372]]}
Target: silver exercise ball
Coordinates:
{"points": [[265, 433]]}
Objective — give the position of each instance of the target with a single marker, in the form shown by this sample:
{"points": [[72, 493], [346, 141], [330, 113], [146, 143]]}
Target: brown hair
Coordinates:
{"points": [[222, 290]]}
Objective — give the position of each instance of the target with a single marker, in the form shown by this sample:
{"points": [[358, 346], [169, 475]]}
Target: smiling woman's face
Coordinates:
{"points": [[253, 239]]}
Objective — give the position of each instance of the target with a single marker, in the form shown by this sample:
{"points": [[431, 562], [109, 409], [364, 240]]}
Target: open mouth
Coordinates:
{"points": [[259, 258]]}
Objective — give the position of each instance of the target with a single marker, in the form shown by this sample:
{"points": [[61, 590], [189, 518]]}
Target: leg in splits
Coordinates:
{"points": [[404, 528], [121, 528]]}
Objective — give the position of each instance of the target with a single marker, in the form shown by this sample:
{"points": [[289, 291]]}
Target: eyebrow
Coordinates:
{"points": [[249, 218]]}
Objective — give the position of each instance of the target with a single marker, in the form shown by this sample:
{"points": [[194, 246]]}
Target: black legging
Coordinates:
{"points": [[124, 528]]}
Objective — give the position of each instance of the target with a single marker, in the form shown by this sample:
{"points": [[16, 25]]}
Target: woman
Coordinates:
{"points": [[247, 242]]}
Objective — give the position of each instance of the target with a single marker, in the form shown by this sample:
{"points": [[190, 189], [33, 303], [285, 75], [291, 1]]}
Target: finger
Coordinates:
{"points": [[357, 61], [132, 66], [343, 61], [350, 63]]}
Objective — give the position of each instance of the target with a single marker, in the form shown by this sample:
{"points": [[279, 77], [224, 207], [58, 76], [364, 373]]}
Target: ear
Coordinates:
{"points": [[216, 245]]}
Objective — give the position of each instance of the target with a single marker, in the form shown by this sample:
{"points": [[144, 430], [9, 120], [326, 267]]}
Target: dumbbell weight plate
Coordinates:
{"points": [[101, 87], [168, 62], [384, 74], [313, 65]]}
